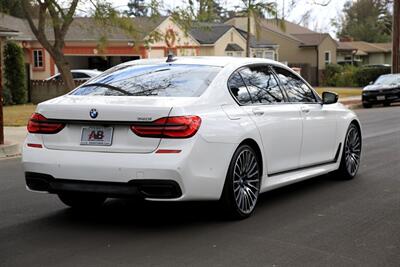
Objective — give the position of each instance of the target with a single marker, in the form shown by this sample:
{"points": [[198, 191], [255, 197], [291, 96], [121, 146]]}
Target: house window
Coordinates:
{"points": [[259, 53], [270, 55], [38, 58], [348, 58], [328, 57], [229, 54], [238, 54]]}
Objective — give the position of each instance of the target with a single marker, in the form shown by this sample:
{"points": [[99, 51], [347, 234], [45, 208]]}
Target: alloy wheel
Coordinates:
{"points": [[246, 181], [353, 150]]}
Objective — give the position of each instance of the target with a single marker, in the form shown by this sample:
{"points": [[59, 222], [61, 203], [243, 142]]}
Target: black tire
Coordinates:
{"points": [[367, 105], [242, 184], [386, 104], [351, 154], [82, 201]]}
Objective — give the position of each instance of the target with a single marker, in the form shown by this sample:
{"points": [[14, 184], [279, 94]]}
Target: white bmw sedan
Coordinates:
{"points": [[201, 128]]}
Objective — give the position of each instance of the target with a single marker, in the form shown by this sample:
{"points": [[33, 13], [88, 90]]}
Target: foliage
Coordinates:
{"points": [[366, 74], [137, 8], [366, 20], [14, 73], [351, 76], [12, 7], [256, 9]]}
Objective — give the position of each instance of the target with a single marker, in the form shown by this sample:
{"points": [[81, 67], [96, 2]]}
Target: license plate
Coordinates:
{"points": [[97, 136], [380, 97]]}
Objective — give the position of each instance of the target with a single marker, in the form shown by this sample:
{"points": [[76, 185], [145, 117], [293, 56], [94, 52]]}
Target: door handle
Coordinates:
{"points": [[305, 110], [258, 111]]}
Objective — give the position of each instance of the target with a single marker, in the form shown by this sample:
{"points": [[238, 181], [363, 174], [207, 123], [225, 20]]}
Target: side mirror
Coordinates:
{"points": [[329, 98], [371, 82]]}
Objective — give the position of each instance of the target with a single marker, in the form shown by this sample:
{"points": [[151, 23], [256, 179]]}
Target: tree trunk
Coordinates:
{"points": [[64, 69], [248, 33]]}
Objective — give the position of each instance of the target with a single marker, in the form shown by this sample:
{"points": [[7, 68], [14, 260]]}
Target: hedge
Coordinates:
{"points": [[14, 74], [351, 76]]}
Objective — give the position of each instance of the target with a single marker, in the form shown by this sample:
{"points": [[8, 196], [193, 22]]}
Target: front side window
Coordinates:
{"points": [[262, 85], [163, 80], [296, 89], [38, 58], [238, 89]]}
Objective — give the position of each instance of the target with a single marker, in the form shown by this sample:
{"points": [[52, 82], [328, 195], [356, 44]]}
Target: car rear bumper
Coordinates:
{"points": [[197, 173]]}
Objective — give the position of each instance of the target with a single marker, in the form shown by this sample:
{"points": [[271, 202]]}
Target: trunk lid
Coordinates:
{"points": [[116, 112]]}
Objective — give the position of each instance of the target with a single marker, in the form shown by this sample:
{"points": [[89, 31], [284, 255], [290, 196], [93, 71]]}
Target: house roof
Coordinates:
{"points": [[209, 33], [289, 27], [363, 48], [86, 29], [233, 47], [311, 39], [16, 24], [260, 42]]}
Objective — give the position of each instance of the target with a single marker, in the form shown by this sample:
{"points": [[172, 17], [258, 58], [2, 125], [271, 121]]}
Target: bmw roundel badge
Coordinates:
{"points": [[93, 113]]}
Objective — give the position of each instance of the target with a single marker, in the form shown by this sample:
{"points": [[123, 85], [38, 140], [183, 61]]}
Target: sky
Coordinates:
{"points": [[319, 16]]}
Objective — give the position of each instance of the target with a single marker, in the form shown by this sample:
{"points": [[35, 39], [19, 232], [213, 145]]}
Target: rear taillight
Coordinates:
{"points": [[41, 125], [171, 127]]}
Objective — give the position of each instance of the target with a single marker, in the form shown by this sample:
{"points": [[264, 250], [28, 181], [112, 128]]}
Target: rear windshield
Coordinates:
{"points": [[164, 80]]}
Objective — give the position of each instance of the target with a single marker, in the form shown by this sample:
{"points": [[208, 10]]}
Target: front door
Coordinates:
{"points": [[319, 122], [279, 123]]}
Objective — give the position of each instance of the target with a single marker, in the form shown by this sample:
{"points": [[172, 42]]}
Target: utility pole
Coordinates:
{"points": [[1, 94], [396, 37]]}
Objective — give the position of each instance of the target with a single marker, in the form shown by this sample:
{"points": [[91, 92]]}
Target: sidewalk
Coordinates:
{"points": [[351, 102], [14, 137]]}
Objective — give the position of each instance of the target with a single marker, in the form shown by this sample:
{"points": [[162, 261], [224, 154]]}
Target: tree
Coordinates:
{"points": [[60, 18], [14, 73], [12, 8], [366, 20], [137, 8], [209, 11], [256, 9]]}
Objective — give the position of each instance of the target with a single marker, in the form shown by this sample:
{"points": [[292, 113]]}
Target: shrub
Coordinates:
{"points": [[14, 73], [7, 97], [338, 75], [366, 74], [331, 74]]}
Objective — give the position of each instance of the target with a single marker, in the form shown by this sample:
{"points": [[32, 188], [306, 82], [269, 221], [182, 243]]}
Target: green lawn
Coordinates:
{"points": [[342, 92], [18, 115]]}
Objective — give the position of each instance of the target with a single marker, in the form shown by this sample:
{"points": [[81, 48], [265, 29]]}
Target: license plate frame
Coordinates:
{"points": [[96, 136], [380, 97]]}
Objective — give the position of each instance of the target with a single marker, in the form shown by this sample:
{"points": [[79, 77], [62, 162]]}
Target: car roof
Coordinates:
{"points": [[210, 61]]}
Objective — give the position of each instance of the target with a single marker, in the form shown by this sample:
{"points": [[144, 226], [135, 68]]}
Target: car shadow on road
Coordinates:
{"points": [[135, 214]]}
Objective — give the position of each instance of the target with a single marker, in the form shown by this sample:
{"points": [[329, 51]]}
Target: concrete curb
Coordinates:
{"points": [[10, 149]]}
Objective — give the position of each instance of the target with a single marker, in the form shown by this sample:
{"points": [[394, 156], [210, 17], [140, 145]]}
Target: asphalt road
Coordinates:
{"points": [[320, 222]]}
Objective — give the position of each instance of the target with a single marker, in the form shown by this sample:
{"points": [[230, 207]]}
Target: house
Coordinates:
{"points": [[298, 46], [226, 40], [364, 53], [83, 50]]}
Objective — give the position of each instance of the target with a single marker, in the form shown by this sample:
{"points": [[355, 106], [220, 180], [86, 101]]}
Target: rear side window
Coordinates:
{"points": [[238, 89], [163, 80], [296, 89], [262, 85]]}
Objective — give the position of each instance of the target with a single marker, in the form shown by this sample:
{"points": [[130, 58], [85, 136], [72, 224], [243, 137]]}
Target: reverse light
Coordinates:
{"points": [[41, 125], [169, 127]]}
